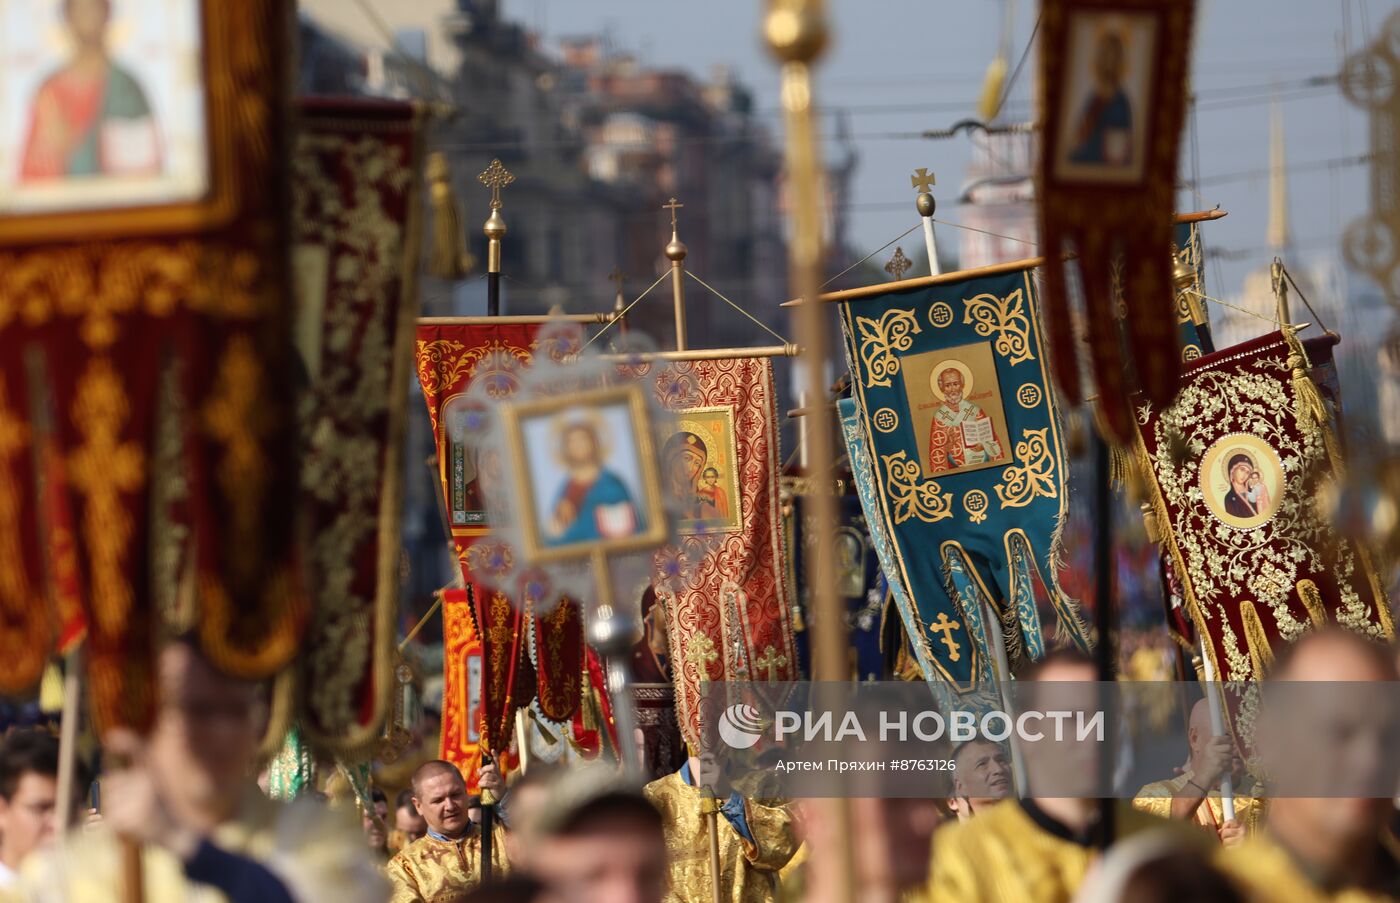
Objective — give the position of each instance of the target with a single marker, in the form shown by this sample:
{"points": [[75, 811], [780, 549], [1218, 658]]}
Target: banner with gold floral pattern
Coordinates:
{"points": [[450, 358], [724, 586], [965, 462], [162, 312], [1235, 466], [355, 230]]}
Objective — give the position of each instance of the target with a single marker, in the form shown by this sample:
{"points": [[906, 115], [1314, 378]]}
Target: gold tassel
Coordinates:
{"points": [[1308, 398], [1260, 654], [450, 258], [992, 86], [591, 709], [1311, 598]]}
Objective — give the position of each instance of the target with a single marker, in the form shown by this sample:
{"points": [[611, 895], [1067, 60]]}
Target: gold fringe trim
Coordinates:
{"points": [[1311, 597], [1260, 654]]}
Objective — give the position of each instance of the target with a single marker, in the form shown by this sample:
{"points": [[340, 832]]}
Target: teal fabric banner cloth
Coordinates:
{"points": [[963, 470]]}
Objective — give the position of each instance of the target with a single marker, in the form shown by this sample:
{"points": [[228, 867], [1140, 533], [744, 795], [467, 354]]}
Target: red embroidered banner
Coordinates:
{"points": [[356, 244], [728, 607], [449, 360], [160, 313], [1236, 464]]}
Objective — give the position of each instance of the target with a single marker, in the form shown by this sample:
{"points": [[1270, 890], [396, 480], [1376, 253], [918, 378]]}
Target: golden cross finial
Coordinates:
{"points": [[899, 264], [673, 207], [922, 179], [495, 178]]}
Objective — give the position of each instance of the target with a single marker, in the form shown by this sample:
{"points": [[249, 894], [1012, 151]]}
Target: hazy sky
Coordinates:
{"points": [[901, 66]]}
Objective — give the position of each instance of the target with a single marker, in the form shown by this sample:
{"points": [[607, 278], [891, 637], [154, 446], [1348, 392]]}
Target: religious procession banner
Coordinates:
{"points": [[724, 584], [451, 359], [1235, 465], [356, 223], [1113, 88], [144, 331], [965, 462]]}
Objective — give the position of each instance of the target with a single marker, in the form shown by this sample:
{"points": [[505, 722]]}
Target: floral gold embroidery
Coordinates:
{"points": [[236, 417], [1034, 477], [880, 339], [1006, 317], [912, 495]]}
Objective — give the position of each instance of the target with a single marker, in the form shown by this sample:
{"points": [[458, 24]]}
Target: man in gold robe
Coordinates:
{"points": [[756, 838], [981, 777], [445, 863], [1194, 795], [1337, 847], [1037, 849], [187, 795]]}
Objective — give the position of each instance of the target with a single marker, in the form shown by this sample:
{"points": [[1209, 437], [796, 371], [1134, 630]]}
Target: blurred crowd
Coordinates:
{"points": [[184, 804]]}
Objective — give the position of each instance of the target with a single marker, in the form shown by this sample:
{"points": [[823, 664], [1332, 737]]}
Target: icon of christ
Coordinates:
{"points": [[961, 433], [593, 503]]}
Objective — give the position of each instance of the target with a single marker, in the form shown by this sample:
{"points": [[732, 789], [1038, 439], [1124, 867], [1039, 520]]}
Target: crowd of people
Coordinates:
{"points": [[185, 800]]}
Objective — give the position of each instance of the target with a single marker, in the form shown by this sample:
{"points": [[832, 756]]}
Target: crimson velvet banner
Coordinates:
{"points": [[1235, 466]]}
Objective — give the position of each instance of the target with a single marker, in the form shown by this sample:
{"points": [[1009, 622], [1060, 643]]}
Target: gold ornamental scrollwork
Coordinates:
{"points": [[912, 495], [1006, 317], [880, 339], [1033, 477]]}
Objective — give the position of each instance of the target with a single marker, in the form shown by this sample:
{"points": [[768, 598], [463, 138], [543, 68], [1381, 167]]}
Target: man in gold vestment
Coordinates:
{"points": [[1037, 849], [189, 797], [756, 839], [446, 863], [1326, 848], [1194, 795]]}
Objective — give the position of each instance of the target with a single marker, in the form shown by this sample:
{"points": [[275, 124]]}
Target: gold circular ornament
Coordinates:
{"points": [[940, 314], [1241, 480], [1029, 395], [944, 366], [975, 504], [886, 420], [1190, 352]]}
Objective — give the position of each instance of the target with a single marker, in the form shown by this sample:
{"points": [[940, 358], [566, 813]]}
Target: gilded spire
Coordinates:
{"points": [[1278, 183]]}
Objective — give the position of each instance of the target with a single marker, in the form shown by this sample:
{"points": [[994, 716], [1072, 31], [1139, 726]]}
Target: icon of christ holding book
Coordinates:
{"points": [[961, 433], [91, 117], [593, 503]]}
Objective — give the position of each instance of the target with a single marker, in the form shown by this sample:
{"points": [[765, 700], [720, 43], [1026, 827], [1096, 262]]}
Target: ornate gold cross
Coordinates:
{"points": [[701, 650], [898, 265], [945, 626], [770, 662], [673, 207], [922, 179], [495, 178]]}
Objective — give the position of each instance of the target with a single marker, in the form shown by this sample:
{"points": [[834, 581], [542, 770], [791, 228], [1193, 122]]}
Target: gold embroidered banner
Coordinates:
{"points": [[143, 283], [1235, 465], [355, 221]]}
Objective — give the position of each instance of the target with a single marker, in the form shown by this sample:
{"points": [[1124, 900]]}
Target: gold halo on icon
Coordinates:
{"points": [[943, 366]]}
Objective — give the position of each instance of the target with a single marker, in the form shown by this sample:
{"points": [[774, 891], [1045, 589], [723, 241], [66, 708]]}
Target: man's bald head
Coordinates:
{"points": [[432, 769], [1334, 654]]}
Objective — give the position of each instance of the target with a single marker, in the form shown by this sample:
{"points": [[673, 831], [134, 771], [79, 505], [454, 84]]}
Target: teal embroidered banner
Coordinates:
{"points": [[964, 463]]}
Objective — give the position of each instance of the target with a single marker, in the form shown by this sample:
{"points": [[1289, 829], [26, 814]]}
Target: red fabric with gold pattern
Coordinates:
{"points": [[194, 299], [1236, 464], [356, 232], [729, 613], [449, 359], [461, 684], [559, 659]]}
